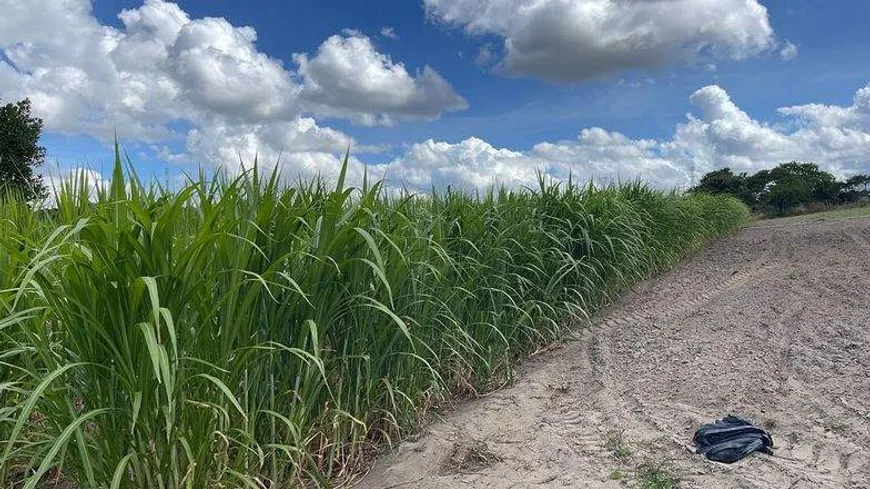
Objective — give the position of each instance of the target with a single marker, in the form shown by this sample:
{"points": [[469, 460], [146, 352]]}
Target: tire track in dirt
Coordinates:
{"points": [[771, 323]]}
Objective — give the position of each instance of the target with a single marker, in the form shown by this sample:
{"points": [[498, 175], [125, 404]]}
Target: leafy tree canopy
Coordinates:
{"points": [[20, 152], [786, 187]]}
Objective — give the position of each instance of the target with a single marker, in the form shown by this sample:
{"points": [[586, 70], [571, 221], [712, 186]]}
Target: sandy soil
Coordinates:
{"points": [[772, 323]]}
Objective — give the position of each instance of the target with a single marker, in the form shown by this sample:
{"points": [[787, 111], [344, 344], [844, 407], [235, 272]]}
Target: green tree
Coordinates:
{"points": [[749, 189], [785, 195], [755, 188], [859, 183], [817, 185], [722, 181], [784, 188], [20, 152], [856, 188]]}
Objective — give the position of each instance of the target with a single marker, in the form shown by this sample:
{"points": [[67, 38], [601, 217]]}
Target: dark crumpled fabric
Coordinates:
{"points": [[731, 439]]}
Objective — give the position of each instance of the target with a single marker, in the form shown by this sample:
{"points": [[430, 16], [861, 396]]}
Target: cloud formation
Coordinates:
{"points": [[723, 135], [349, 78], [163, 70], [577, 40], [167, 80]]}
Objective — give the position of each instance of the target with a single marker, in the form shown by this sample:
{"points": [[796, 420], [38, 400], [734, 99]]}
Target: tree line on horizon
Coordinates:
{"points": [[788, 188]]}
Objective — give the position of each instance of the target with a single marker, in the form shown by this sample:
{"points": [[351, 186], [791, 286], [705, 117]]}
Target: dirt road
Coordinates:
{"points": [[772, 324]]}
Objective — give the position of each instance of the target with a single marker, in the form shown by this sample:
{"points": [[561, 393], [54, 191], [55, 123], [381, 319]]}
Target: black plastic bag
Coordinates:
{"points": [[731, 439]]}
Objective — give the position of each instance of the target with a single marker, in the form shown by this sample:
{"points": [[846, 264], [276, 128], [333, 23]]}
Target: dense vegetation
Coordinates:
{"points": [[239, 333], [788, 188], [20, 152]]}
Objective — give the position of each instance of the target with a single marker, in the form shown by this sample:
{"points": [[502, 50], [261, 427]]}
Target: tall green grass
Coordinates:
{"points": [[241, 333]]}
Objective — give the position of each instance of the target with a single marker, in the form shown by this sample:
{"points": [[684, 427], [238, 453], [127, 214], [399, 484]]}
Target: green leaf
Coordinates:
{"points": [[59, 443], [225, 390]]}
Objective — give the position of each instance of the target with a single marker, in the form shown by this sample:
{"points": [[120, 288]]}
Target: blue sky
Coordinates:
{"points": [[493, 121]]}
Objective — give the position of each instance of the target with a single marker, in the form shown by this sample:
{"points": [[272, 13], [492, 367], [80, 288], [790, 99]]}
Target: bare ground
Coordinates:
{"points": [[772, 323]]}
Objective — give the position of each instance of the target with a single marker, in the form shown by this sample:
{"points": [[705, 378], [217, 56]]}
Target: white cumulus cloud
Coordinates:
{"points": [[469, 164], [835, 137], [722, 135], [348, 77], [168, 80], [575, 40], [162, 70]]}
